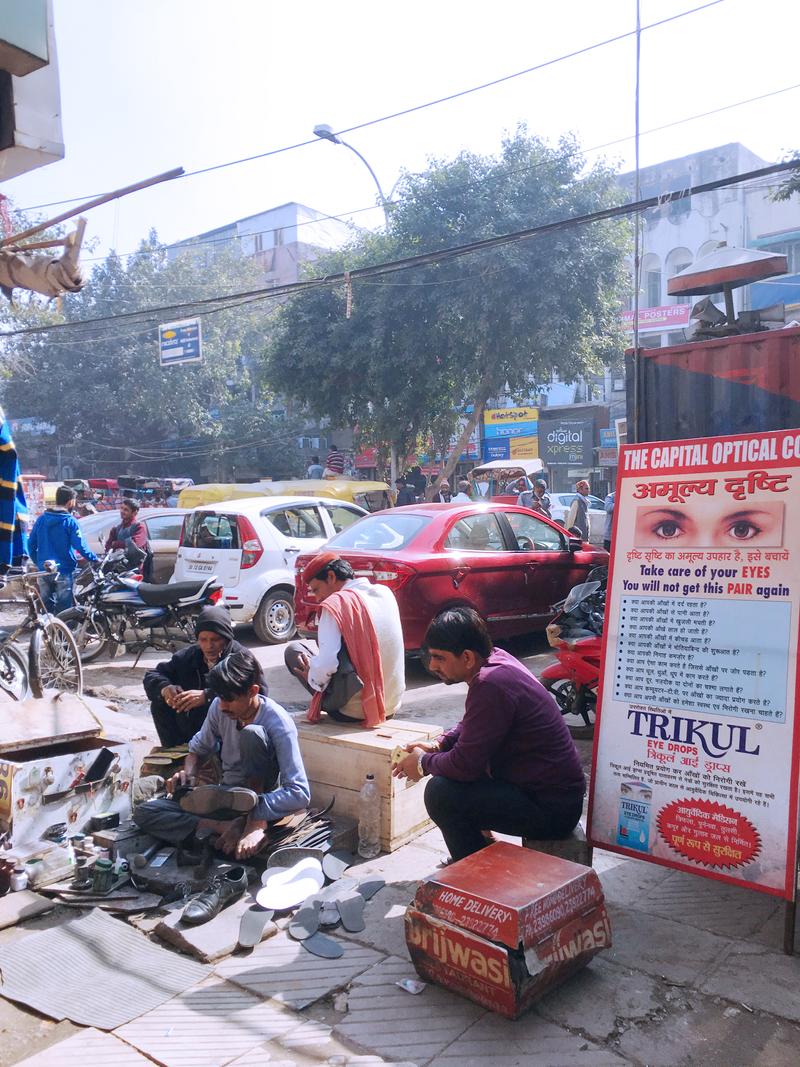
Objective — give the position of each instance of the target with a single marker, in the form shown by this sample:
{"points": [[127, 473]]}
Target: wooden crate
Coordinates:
{"points": [[338, 757]]}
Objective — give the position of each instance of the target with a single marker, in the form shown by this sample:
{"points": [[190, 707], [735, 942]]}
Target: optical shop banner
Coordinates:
{"points": [[696, 745]]}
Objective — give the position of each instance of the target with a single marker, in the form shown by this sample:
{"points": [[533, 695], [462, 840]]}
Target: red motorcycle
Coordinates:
{"points": [[576, 635]]}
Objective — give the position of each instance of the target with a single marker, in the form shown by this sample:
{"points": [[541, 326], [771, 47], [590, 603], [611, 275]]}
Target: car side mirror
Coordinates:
{"points": [[575, 543]]}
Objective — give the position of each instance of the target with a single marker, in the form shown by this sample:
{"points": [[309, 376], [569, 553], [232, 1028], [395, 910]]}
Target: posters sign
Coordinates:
{"points": [[567, 441], [180, 342], [696, 743]]}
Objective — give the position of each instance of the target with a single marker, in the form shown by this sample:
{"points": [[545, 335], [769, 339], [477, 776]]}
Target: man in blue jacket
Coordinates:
{"points": [[56, 535]]}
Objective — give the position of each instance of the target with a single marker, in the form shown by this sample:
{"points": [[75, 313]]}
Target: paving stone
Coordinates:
{"points": [[282, 969], [384, 1019], [701, 1031], [758, 977], [409, 863], [212, 940], [384, 915], [770, 933], [527, 1042], [207, 1026], [729, 910], [595, 999], [662, 947], [88, 1046], [630, 883]]}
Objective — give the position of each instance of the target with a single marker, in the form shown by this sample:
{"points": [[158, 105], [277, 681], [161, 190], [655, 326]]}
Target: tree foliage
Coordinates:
{"points": [[422, 344], [103, 388]]}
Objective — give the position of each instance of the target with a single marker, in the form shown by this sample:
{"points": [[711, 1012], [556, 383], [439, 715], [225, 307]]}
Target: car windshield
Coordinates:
{"points": [[388, 532]]}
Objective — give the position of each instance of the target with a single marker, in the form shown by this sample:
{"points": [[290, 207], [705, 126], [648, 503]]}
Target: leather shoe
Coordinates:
{"points": [[222, 890], [220, 800]]}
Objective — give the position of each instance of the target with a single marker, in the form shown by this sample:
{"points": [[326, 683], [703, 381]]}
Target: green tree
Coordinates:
{"points": [[423, 344], [102, 386]]}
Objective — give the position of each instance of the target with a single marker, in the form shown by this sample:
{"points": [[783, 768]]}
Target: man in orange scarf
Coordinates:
{"points": [[358, 620]]}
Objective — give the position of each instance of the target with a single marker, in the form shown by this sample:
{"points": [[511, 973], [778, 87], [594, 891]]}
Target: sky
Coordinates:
{"points": [[147, 85]]}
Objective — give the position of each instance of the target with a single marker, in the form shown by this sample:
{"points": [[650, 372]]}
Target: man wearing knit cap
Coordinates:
{"points": [[179, 698], [357, 674]]}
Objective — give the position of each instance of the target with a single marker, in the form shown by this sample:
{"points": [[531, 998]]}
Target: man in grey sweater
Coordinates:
{"points": [[263, 778]]}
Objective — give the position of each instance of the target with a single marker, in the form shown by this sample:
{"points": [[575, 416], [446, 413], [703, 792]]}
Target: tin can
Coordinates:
{"points": [[103, 877]]}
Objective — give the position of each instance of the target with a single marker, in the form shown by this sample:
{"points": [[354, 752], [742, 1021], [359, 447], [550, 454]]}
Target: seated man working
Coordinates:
{"points": [[510, 765], [178, 687], [262, 768], [359, 620]]}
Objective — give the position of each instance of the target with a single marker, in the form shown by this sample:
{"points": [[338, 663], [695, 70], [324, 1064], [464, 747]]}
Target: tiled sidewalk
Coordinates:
{"points": [[696, 976]]}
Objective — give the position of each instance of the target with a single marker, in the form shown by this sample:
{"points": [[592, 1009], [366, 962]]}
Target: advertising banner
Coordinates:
{"points": [[567, 441], [696, 745], [510, 422]]}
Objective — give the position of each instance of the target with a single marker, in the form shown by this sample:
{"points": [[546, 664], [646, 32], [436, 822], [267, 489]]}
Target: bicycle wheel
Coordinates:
{"points": [[54, 660], [14, 678], [90, 631]]}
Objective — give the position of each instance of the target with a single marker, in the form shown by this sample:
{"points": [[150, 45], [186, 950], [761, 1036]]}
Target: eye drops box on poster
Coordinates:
{"points": [[506, 925]]}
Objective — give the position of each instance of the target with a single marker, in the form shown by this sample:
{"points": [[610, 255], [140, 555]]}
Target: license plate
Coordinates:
{"points": [[205, 568]]}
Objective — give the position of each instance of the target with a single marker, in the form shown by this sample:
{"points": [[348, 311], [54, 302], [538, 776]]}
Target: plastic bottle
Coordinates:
{"points": [[369, 819]]}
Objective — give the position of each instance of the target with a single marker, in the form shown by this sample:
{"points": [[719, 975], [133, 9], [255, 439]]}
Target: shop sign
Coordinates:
{"points": [[567, 441], [696, 755], [180, 342], [607, 457], [669, 317]]}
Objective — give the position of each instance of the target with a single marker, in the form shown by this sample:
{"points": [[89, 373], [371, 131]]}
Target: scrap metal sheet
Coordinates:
{"points": [[94, 970]]}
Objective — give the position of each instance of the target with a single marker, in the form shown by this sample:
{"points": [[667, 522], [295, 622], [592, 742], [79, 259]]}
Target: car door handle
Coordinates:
{"points": [[459, 576]]}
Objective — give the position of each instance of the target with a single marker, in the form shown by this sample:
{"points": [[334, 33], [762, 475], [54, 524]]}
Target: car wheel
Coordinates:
{"points": [[274, 620]]}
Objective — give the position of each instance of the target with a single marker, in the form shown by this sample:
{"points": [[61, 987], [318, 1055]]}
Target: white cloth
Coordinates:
{"points": [[385, 615], [461, 498]]}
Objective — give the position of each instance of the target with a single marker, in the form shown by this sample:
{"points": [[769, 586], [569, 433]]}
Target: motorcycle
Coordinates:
{"points": [[114, 607], [576, 634]]}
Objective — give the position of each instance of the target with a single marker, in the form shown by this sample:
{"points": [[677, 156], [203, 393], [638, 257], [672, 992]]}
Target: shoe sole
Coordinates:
{"points": [[207, 799]]}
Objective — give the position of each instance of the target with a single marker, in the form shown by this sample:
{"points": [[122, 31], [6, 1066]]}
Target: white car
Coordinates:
{"points": [[560, 504], [251, 546], [163, 532]]}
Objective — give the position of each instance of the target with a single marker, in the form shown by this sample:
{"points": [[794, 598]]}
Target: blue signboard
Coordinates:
{"points": [[180, 342], [496, 448], [608, 438]]}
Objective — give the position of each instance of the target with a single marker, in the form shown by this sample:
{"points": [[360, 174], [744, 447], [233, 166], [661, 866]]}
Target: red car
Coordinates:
{"points": [[508, 563]]}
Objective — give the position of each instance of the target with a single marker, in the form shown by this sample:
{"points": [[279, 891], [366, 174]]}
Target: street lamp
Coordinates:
{"points": [[325, 132]]}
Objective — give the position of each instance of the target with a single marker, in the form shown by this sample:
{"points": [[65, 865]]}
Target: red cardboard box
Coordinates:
{"points": [[505, 925]]}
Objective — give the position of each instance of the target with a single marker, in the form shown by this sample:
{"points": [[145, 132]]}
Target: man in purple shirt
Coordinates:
{"points": [[510, 765]]}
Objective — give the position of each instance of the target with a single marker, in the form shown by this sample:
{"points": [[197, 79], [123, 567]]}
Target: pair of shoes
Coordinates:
{"points": [[222, 890], [221, 800]]}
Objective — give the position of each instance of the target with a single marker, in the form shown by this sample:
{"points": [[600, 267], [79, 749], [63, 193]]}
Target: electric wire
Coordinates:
{"points": [[210, 305], [417, 107]]}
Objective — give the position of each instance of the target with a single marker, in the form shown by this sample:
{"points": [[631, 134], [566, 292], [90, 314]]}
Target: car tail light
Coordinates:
{"points": [[252, 549], [183, 532], [388, 572]]}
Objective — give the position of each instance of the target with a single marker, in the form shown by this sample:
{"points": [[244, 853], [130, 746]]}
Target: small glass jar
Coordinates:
{"points": [[19, 879]]}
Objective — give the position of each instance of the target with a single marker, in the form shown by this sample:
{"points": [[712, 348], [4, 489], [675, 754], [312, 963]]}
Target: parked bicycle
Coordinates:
{"points": [[52, 660]]}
